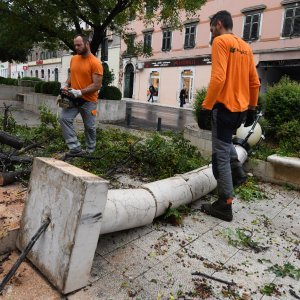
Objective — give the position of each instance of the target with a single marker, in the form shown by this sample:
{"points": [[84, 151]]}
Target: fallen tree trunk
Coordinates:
{"points": [[16, 159], [10, 177], [10, 140]]}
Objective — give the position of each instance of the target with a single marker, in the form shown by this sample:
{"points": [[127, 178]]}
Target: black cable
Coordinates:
{"points": [[293, 293], [213, 278], [24, 253]]}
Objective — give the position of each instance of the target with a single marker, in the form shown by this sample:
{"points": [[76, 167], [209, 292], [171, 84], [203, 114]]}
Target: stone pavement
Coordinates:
{"points": [[157, 261]]}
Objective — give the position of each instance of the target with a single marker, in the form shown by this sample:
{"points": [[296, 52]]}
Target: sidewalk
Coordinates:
{"points": [[156, 261]]}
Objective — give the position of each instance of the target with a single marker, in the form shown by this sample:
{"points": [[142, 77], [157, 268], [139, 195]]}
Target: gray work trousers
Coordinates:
{"points": [[66, 120], [224, 124]]}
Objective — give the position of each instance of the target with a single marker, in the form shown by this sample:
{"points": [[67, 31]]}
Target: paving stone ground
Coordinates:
{"points": [[157, 261]]}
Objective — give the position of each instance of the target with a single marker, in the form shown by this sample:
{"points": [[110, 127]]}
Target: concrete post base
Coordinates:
{"points": [[75, 201]]}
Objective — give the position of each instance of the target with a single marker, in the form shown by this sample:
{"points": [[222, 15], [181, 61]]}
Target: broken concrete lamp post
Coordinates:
{"points": [[130, 208], [75, 201]]}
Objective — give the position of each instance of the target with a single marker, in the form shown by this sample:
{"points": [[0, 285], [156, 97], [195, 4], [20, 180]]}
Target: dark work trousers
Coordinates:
{"points": [[66, 121], [224, 124]]}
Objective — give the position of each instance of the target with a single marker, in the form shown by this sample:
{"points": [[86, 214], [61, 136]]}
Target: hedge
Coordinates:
{"points": [[110, 93]]}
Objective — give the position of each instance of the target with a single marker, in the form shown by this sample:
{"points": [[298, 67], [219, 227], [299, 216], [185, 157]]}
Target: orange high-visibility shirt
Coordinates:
{"points": [[234, 80], [82, 70]]}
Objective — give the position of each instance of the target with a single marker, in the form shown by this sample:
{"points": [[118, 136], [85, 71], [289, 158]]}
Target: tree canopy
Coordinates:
{"points": [[54, 23]]}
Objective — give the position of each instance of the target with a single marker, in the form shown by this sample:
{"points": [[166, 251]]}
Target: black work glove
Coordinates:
{"points": [[204, 118], [251, 115]]}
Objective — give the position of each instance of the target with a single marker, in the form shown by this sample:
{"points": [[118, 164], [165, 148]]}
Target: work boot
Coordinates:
{"points": [[219, 209], [238, 174], [76, 152]]}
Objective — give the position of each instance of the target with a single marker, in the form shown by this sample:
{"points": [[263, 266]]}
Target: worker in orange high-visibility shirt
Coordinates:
{"points": [[231, 99], [83, 84]]}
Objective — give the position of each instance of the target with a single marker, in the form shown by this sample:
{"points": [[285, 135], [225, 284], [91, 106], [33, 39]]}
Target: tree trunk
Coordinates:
{"points": [[97, 40], [10, 140], [10, 177], [16, 159]]}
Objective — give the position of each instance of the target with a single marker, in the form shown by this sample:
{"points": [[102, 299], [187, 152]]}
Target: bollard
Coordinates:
{"points": [[159, 124], [128, 118]]}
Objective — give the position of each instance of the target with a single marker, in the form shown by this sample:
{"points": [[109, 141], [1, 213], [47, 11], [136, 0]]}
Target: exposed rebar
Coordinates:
{"points": [[24, 253]]}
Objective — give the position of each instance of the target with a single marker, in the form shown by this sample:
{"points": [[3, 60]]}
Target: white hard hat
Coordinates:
{"points": [[242, 133]]}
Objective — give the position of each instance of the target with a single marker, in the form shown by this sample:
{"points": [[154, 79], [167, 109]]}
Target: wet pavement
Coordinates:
{"points": [[157, 261], [146, 115]]}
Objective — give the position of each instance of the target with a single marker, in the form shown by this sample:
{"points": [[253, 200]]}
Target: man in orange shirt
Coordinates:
{"points": [[231, 99], [83, 84]]}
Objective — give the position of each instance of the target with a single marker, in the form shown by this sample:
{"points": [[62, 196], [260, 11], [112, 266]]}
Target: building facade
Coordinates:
{"points": [[182, 58], [55, 65], [5, 69]]}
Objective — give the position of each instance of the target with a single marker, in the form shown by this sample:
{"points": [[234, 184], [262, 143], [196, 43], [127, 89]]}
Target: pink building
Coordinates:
{"points": [[182, 58]]}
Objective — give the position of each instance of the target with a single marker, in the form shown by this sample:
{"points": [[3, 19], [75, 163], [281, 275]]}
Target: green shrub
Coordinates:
{"points": [[29, 81], [163, 157], [199, 98], [108, 76], [289, 138], [110, 93], [45, 87], [38, 87], [54, 87], [11, 81], [283, 102], [31, 78], [2, 79]]}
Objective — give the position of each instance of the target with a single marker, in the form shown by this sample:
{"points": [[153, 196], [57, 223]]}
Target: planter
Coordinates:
{"points": [[111, 111], [277, 169], [10, 92]]}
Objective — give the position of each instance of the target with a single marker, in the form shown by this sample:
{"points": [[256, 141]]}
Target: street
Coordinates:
{"points": [[146, 115]]}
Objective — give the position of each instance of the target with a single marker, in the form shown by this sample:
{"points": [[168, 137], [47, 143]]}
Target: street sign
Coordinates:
{"points": [[196, 61]]}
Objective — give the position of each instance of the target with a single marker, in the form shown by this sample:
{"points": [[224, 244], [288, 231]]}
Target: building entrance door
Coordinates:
{"points": [[128, 81]]}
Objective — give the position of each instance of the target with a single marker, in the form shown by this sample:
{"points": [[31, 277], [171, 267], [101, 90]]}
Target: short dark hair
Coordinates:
{"points": [[224, 17], [84, 38]]}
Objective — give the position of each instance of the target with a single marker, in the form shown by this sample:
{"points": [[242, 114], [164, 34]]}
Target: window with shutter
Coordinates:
{"points": [[296, 27], [130, 44], [291, 25], [190, 36], [166, 42], [251, 27], [147, 41]]}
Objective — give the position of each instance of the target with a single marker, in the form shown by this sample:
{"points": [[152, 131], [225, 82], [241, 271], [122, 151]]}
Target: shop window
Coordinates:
{"points": [[147, 41], [251, 27], [42, 73], [36, 73], [187, 83], [190, 36], [154, 80], [48, 74], [31, 73], [291, 26], [167, 39]]}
